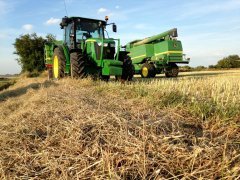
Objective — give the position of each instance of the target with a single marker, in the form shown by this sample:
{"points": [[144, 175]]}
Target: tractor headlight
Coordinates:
{"points": [[104, 44]]}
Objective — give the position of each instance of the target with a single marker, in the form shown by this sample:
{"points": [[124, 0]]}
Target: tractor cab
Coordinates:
{"points": [[88, 35]]}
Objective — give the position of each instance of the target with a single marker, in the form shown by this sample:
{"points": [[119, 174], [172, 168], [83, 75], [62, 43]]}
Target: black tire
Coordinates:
{"points": [[172, 71], [50, 73], [104, 78], [148, 70], [153, 71], [77, 61], [59, 63], [128, 69]]}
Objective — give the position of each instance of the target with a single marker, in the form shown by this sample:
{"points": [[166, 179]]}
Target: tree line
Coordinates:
{"points": [[232, 61]]}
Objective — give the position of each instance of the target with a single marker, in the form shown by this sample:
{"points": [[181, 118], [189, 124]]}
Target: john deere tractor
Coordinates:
{"points": [[85, 50]]}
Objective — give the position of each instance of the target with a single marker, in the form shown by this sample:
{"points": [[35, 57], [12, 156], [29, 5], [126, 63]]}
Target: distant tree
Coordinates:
{"points": [[50, 38], [212, 67], [30, 51], [200, 68], [185, 68], [232, 61]]}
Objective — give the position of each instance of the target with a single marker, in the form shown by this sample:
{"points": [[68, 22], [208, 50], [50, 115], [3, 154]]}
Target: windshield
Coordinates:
{"points": [[87, 30]]}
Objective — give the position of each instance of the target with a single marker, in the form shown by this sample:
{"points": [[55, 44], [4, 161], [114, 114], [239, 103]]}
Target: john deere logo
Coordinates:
{"points": [[174, 45]]}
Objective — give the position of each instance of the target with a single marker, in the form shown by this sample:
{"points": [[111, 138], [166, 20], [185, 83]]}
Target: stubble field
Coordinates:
{"points": [[187, 127]]}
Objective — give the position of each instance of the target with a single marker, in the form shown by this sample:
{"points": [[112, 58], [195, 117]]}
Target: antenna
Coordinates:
{"points": [[65, 7]]}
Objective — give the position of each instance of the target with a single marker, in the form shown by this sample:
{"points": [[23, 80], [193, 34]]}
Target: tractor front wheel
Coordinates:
{"points": [[104, 78], [148, 71], [172, 71], [58, 63], [77, 65]]}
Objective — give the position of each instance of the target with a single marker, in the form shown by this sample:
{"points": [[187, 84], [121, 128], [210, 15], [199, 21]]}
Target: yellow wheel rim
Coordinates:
{"points": [[55, 67], [145, 71]]}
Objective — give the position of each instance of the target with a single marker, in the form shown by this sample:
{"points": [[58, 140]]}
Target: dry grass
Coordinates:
{"points": [[5, 83], [187, 127]]}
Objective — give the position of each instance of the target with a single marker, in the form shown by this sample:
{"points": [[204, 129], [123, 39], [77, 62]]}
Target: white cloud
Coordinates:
{"points": [[117, 7], [27, 27], [52, 21], [102, 10]]}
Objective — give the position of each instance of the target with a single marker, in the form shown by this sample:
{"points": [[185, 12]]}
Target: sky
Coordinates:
{"points": [[209, 29]]}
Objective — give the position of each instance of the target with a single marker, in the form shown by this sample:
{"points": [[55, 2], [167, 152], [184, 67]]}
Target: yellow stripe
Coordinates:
{"points": [[139, 56], [168, 52], [91, 40]]}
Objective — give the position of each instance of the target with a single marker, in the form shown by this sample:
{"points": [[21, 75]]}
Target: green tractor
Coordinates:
{"points": [[157, 54], [85, 50]]}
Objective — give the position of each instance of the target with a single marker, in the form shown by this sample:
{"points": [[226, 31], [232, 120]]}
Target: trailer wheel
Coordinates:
{"points": [[153, 71], [58, 63], [77, 62], [172, 71], [128, 69], [148, 71]]}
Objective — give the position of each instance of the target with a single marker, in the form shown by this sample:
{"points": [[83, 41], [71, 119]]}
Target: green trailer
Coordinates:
{"points": [[157, 54], [85, 50]]}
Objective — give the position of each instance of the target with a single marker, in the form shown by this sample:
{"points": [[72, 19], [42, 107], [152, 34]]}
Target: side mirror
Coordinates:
{"points": [[114, 28], [65, 21], [61, 26]]}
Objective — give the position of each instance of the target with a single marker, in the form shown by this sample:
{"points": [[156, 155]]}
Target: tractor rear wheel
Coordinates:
{"points": [[59, 63], [172, 71], [148, 71], [128, 69], [77, 62]]}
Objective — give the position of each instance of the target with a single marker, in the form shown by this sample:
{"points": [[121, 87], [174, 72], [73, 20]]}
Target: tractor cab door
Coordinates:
{"points": [[69, 36]]}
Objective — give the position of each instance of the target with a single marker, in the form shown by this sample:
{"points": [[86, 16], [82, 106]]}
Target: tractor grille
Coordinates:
{"points": [[108, 52]]}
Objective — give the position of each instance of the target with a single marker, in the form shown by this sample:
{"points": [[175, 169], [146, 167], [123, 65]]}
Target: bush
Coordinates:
{"points": [[185, 68], [199, 68], [30, 49], [232, 61], [212, 67]]}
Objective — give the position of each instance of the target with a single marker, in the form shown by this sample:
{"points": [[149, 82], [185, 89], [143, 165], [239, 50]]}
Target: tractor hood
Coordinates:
{"points": [[101, 48]]}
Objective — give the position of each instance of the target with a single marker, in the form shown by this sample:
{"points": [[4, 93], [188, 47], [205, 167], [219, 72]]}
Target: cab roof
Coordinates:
{"points": [[74, 18]]}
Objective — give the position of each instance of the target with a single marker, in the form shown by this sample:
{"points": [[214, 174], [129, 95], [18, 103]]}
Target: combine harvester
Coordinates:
{"points": [[157, 54], [85, 50]]}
